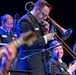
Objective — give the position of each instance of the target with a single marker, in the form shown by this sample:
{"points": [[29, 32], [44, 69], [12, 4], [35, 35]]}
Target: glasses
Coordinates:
{"points": [[43, 13]]}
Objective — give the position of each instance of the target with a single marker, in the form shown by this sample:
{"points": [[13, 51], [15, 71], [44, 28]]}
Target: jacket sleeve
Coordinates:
{"points": [[24, 26]]}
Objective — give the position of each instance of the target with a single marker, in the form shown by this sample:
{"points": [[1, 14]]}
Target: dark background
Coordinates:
{"points": [[63, 12]]}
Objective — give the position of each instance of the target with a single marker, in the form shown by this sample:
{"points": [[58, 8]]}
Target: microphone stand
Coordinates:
{"points": [[25, 57], [43, 50]]}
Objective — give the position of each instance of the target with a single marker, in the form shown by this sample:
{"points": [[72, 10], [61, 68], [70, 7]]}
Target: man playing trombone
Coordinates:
{"points": [[35, 20]]}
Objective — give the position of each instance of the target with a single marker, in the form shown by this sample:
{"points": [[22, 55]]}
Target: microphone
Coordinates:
{"points": [[16, 18], [53, 29], [74, 46], [13, 66]]}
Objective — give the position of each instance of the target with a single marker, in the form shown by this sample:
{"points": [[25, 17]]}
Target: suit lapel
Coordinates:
{"points": [[36, 26], [62, 66]]}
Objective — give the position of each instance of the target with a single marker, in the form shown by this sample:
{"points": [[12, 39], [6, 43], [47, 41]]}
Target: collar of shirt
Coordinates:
{"points": [[3, 29], [60, 60]]}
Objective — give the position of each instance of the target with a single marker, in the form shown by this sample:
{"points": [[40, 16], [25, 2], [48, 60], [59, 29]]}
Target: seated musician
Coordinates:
{"points": [[55, 65]]}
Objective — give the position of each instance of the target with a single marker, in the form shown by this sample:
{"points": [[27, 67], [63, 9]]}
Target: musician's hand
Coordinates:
{"points": [[72, 67], [49, 36], [9, 55], [46, 26]]}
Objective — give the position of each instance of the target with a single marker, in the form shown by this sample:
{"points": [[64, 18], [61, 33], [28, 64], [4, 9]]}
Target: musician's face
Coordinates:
{"points": [[8, 24], [42, 14], [58, 52]]}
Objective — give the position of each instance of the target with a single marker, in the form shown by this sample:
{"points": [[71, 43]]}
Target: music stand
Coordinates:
{"points": [[19, 72]]}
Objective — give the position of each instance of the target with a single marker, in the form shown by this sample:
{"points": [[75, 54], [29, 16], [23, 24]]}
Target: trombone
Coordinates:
{"points": [[65, 35], [65, 32]]}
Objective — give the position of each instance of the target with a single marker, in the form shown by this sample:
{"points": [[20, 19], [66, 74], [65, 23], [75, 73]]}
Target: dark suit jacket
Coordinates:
{"points": [[6, 37], [54, 67], [28, 22]]}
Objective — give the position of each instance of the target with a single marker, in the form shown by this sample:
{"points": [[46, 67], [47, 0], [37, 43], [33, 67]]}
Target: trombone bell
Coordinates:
{"points": [[67, 33]]}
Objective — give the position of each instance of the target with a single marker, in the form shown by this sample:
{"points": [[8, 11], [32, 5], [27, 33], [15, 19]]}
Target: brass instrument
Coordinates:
{"points": [[65, 33]]}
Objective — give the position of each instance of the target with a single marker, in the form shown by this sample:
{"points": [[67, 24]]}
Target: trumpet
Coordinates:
{"points": [[65, 32]]}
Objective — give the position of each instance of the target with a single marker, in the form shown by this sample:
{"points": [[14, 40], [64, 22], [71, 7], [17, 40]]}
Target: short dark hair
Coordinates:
{"points": [[43, 3], [5, 17]]}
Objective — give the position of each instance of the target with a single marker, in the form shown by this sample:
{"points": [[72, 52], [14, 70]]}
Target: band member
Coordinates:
{"points": [[35, 20], [55, 65], [6, 33]]}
